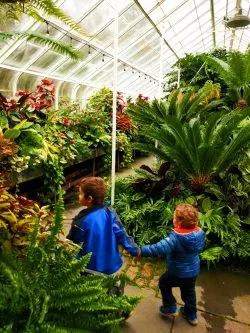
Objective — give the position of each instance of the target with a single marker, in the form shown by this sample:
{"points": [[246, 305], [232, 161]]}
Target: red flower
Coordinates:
{"points": [[62, 135], [47, 82], [23, 92], [10, 105], [66, 121]]}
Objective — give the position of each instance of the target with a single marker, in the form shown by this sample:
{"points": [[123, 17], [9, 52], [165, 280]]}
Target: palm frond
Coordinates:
{"points": [[200, 150], [55, 45]]}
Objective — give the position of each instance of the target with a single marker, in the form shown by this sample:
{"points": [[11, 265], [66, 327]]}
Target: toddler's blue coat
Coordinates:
{"points": [[100, 231], [181, 250]]}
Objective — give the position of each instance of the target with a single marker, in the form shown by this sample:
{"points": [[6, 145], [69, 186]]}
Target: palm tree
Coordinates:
{"points": [[14, 9], [236, 74], [182, 106], [199, 150]]}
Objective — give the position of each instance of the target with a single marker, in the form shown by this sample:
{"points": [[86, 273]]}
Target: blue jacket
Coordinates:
{"points": [[100, 231], [181, 250]]}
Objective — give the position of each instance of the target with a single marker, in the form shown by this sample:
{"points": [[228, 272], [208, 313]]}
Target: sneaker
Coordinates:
{"points": [[170, 312], [191, 319]]}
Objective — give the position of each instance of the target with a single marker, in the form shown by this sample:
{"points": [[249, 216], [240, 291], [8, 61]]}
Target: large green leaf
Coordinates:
{"points": [[3, 121], [12, 133]]}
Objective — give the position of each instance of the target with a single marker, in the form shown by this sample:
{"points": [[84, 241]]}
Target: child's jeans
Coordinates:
{"points": [[187, 287]]}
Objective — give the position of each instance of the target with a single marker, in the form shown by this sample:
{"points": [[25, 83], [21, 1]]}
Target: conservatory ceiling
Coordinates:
{"points": [[188, 26]]}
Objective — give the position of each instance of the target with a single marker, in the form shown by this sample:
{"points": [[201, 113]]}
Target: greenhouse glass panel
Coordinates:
{"points": [[93, 65], [129, 17], [98, 18], [132, 34], [7, 77], [45, 61], [184, 14], [140, 43], [76, 8], [80, 92], [66, 89], [28, 81], [170, 6], [21, 55], [106, 36], [157, 14], [69, 65], [148, 4]]}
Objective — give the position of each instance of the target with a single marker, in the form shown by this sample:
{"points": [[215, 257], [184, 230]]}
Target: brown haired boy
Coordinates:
{"points": [[99, 229], [181, 247]]}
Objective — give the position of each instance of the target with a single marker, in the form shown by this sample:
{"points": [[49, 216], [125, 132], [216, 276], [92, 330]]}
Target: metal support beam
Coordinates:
{"points": [[213, 22], [114, 102], [156, 29]]}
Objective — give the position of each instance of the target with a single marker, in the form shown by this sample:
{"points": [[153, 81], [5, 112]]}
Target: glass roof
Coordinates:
{"points": [[187, 26]]}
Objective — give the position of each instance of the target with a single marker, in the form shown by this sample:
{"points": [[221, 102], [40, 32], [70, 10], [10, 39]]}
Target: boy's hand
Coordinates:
{"points": [[138, 257]]}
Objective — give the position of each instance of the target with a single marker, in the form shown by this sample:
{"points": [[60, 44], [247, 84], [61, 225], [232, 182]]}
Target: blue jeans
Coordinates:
{"points": [[187, 287]]}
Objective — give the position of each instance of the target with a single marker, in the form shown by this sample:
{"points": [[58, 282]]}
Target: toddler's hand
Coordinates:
{"points": [[138, 257]]}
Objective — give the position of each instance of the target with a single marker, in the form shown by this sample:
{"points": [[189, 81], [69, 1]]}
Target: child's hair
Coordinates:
{"points": [[186, 215], [94, 187]]}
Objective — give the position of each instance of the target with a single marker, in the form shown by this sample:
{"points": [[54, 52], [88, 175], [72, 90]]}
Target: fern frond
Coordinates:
{"points": [[55, 45], [50, 9], [58, 220]]}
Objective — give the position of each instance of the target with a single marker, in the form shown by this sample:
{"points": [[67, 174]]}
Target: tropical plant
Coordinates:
{"points": [[200, 150], [45, 291], [18, 216], [14, 9], [157, 183], [194, 72], [236, 75], [184, 106], [232, 189]]}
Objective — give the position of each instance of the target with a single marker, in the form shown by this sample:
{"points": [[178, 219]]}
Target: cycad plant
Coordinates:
{"points": [[199, 150], [183, 106], [44, 291], [13, 10], [236, 75]]}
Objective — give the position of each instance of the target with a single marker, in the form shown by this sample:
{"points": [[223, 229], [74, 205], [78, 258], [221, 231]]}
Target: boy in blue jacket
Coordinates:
{"points": [[181, 247], [99, 229]]}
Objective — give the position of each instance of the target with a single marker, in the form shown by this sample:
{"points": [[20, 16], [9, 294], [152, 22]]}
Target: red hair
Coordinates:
{"points": [[186, 215], [94, 187]]}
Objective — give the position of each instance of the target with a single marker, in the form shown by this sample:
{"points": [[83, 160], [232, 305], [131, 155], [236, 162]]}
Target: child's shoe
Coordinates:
{"points": [[191, 319], [169, 312]]}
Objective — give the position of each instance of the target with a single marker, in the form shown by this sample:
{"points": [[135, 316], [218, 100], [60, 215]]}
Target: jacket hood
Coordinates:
{"points": [[191, 242]]}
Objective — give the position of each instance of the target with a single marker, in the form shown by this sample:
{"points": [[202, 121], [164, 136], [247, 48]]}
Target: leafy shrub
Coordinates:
{"points": [[44, 290]]}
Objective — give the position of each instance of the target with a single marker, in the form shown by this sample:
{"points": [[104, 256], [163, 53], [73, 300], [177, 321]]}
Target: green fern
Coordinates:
{"points": [[37, 9], [45, 291], [56, 45]]}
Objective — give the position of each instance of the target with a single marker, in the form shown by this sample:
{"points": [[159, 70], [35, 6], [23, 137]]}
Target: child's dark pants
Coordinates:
{"points": [[187, 287]]}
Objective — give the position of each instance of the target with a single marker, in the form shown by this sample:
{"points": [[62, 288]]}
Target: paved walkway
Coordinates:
{"points": [[223, 301]]}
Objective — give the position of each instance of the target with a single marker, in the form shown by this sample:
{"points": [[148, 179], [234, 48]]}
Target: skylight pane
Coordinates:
{"points": [[148, 4]]}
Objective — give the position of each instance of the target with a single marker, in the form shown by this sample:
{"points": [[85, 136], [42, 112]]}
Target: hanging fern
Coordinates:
{"points": [[37, 9], [56, 45]]}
